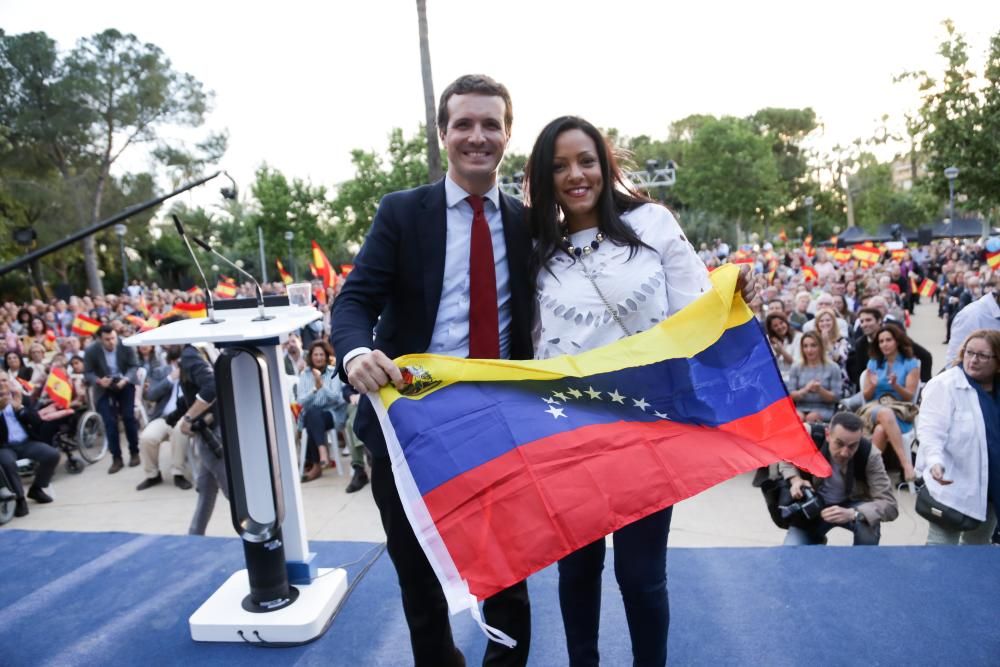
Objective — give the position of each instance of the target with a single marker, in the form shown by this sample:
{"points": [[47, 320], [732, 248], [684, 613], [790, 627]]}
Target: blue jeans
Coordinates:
{"points": [[110, 406], [317, 422], [865, 534], [641, 571]]}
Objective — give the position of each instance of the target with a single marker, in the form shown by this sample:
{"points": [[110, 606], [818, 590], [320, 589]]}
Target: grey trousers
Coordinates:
{"points": [[209, 479]]}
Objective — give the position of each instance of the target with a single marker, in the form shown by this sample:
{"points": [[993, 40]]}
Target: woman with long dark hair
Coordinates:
{"points": [[320, 393], [893, 375], [607, 263]]}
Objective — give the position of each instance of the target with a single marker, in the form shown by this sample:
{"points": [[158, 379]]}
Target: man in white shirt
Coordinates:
{"points": [[983, 313]]}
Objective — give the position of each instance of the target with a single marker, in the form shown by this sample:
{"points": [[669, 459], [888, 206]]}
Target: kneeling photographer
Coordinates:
{"points": [[857, 496]]}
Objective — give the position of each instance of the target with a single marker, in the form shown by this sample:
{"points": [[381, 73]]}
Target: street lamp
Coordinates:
{"points": [[291, 259], [809, 213], [951, 173], [836, 229], [120, 232]]}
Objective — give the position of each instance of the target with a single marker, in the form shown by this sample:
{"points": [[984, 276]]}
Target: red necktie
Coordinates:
{"points": [[484, 326]]}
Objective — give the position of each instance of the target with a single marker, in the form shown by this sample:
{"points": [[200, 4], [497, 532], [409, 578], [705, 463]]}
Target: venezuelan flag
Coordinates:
{"points": [[506, 466]]}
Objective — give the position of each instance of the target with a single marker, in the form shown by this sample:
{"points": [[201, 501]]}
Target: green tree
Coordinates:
{"points": [[79, 113], [404, 166], [960, 112], [729, 170]]}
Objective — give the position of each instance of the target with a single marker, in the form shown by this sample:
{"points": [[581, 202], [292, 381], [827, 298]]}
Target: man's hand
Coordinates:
{"points": [[745, 283], [186, 427], [367, 372], [104, 382], [937, 472], [121, 384], [837, 515], [796, 486]]}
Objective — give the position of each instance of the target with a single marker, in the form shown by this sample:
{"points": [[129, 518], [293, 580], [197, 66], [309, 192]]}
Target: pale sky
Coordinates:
{"points": [[299, 84]]}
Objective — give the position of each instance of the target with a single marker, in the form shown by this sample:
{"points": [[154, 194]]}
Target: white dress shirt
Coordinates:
{"points": [[983, 313]]}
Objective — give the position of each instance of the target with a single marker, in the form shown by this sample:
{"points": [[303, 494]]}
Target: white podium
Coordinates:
{"points": [[264, 489]]}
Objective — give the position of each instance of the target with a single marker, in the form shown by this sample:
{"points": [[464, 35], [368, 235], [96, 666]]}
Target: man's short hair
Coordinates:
{"points": [[475, 84], [105, 329], [848, 421], [874, 312]]}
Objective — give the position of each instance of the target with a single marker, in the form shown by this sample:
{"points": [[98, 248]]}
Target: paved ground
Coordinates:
{"points": [[730, 514]]}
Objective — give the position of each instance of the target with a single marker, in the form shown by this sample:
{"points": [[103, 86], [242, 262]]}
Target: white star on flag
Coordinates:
{"points": [[561, 396], [641, 403], [550, 401], [593, 393], [660, 415], [616, 397], [575, 393], [555, 412]]}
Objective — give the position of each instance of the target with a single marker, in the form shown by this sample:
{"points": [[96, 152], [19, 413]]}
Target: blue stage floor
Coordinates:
{"points": [[123, 599]]}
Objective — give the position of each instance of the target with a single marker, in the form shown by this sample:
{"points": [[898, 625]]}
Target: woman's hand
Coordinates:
{"points": [[937, 472], [745, 283], [317, 377]]}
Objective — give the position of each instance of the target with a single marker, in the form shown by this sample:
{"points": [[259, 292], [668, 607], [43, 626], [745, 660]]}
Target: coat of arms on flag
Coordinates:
{"points": [[504, 467]]}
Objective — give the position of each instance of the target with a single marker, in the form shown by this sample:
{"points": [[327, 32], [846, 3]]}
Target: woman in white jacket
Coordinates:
{"points": [[959, 431]]}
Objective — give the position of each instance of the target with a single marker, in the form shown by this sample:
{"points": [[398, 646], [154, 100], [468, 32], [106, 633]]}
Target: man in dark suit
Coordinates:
{"points": [[111, 369], [16, 442], [444, 269]]}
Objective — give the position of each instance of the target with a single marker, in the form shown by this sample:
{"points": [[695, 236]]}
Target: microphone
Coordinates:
{"points": [[208, 292], [260, 294]]}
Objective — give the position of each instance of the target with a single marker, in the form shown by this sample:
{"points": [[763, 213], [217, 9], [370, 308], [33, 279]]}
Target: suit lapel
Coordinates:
{"points": [[432, 232]]}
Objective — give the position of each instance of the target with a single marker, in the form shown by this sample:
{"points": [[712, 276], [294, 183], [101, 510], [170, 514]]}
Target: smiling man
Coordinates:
{"points": [[444, 269]]}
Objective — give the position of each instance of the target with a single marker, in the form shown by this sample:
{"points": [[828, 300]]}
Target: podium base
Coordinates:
{"points": [[221, 618]]}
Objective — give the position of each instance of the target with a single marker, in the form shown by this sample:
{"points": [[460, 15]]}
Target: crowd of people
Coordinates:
{"points": [[836, 320]]}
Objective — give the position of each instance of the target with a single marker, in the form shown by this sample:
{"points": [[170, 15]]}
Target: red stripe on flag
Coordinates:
{"points": [[509, 532]]}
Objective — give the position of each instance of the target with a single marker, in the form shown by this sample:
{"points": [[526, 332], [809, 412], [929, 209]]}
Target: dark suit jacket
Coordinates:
{"points": [[390, 300], [96, 366]]}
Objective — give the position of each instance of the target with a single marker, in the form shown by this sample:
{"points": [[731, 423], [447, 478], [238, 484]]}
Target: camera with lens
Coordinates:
{"points": [[805, 510], [203, 427]]}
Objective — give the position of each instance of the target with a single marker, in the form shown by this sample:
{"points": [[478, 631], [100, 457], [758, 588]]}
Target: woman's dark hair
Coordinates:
{"points": [[6, 359], [24, 315], [326, 349], [31, 324], [771, 317], [904, 347], [615, 198]]}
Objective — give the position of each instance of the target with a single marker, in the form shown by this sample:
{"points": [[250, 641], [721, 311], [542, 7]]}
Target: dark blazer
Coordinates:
{"points": [[95, 366], [391, 297]]}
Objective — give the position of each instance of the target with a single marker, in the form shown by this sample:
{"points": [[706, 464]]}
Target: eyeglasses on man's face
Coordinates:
{"points": [[979, 356]]}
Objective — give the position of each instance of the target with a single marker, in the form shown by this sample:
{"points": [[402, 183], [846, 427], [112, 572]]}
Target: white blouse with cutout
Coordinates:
{"points": [[570, 316]]}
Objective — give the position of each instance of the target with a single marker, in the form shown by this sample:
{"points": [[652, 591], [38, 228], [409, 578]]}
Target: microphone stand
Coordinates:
{"points": [[261, 316], [208, 292]]}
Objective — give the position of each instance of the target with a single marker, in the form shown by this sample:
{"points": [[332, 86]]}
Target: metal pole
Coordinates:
{"points": [[263, 261], [121, 249], [291, 260], [951, 199]]}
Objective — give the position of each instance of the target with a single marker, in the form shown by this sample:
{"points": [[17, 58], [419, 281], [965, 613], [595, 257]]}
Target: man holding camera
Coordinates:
{"points": [[857, 496], [111, 369]]}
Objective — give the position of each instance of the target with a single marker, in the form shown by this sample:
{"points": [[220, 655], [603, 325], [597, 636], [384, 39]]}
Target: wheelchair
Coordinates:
{"points": [[82, 433]]}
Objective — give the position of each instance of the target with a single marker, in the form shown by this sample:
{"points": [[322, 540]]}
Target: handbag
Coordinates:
{"points": [[938, 513]]}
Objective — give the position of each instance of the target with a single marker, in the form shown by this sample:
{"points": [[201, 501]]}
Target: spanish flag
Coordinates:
{"points": [[866, 253], [914, 284], [191, 309], [135, 321], [842, 255], [993, 259], [345, 269], [899, 255], [85, 326], [928, 287], [322, 264], [50, 336], [26, 386], [783, 236], [58, 388], [504, 467], [810, 273], [225, 290], [286, 277]]}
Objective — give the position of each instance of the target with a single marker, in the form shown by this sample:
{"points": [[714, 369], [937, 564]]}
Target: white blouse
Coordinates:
{"points": [[571, 317]]}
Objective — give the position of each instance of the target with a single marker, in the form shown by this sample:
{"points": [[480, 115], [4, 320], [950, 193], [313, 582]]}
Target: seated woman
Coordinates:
{"points": [[814, 383], [39, 332], [834, 341], [37, 364], [320, 393], [959, 431], [14, 365], [893, 375], [784, 341]]}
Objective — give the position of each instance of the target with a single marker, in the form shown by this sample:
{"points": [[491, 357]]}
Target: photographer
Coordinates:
{"points": [[201, 423], [857, 496], [111, 369]]}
